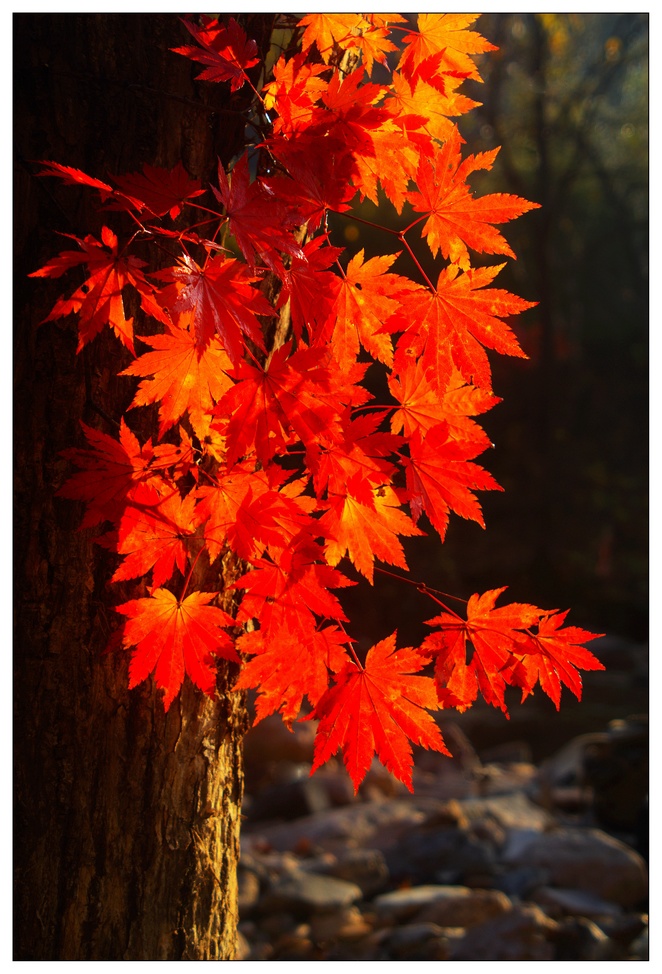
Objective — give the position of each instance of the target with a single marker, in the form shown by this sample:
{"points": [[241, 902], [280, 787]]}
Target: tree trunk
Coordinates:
{"points": [[127, 819]]}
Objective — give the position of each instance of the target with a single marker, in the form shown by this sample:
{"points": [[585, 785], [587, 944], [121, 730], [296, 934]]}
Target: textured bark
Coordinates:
{"points": [[126, 819]]}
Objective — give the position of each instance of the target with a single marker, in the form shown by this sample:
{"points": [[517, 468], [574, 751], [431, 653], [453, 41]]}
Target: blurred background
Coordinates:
{"points": [[566, 96]]}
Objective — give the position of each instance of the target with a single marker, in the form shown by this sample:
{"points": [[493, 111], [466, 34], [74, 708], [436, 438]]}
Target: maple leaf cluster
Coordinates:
{"points": [[270, 444]]}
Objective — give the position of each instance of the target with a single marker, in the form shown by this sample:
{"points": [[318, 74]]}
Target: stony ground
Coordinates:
{"points": [[494, 857]]}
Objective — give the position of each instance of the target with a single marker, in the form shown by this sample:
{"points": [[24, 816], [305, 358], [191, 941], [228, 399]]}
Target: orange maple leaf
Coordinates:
{"points": [[285, 668], [185, 375], [326, 30], [294, 92], [422, 407], [367, 532], [452, 324], [365, 301], [445, 33], [455, 219], [174, 637], [378, 708]]}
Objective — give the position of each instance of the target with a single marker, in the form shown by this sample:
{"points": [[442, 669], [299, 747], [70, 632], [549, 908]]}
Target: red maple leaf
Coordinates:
{"points": [[289, 593], [219, 510], [98, 302], [378, 708], [110, 470], [292, 393], [259, 220], [74, 177], [221, 300], [441, 477], [358, 460], [172, 637], [553, 656], [494, 635], [224, 49], [322, 170], [157, 190], [310, 287], [152, 534]]}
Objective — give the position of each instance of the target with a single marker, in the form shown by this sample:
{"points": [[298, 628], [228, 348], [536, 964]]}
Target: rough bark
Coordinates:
{"points": [[126, 819]]}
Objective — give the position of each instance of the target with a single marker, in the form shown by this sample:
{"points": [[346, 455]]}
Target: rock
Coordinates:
{"points": [[249, 890], [587, 859], [296, 946], [306, 892], [624, 929], [402, 904], [639, 947], [372, 824], [580, 939], [418, 941], [519, 881], [512, 811], [243, 947], [276, 925], [348, 924], [565, 768], [616, 769], [290, 799], [271, 741], [574, 902], [365, 867], [509, 752], [466, 907], [504, 779], [516, 844], [521, 934], [429, 855]]}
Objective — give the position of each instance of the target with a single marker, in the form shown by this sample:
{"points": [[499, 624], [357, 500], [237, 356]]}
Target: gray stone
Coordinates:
{"points": [[370, 824], [590, 860], [511, 811], [304, 892], [574, 902], [466, 907], [429, 855], [365, 867], [401, 904], [418, 941], [524, 933], [580, 939]]}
